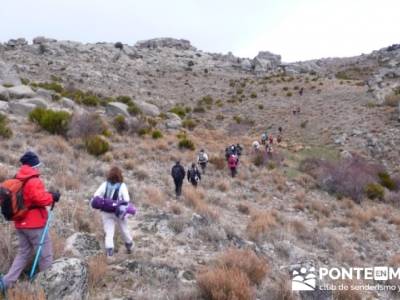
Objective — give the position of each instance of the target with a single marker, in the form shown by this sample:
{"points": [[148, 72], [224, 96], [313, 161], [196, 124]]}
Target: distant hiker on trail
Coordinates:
{"points": [[116, 190], [193, 175], [301, 91], [280, 130], [270, 139], [233, 162], [229, 151], [178, 174], [264, 138], [279, 137], [256, 146], [238, 149], [30, 220], [202, 160]]}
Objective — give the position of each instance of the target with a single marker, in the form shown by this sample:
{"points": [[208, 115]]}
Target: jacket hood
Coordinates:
{"points": [[26, 171]]}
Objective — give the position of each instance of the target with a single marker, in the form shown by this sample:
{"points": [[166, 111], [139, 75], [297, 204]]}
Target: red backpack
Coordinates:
{"points": [[12, 200]]}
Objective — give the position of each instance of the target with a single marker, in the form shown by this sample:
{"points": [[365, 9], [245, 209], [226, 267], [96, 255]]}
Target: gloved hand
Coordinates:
{"points": [[56, 196]]}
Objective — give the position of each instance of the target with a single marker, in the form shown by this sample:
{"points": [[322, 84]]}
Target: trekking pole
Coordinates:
{"points": [[39, 250]]}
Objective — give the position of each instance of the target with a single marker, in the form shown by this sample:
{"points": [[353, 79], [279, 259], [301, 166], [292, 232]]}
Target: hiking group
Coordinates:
{"points": [[268, 141], [24, 200]]}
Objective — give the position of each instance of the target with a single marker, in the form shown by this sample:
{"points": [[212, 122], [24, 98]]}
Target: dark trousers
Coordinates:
{"points": [[203, 166], [178, 186], [233, 172]]}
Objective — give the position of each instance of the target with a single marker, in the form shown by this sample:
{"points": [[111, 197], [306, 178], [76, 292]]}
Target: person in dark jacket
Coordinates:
{"points": [[178, 174], [193, 175], [29, 229]]}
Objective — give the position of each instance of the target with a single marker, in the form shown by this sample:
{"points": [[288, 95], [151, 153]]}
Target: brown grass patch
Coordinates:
{"points": [[223, 283], [97, 269], [195, 198], [153, 197], [246, 261], [260, 224], [57, 243], [218, 162], [176, 209], [318, 207], [360, 217], [26, 291], [223, 185], [243, 208]]}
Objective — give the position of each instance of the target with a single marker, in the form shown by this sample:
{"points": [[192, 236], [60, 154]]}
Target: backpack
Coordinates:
{"points": [[193, 175], [107, 203], [202, 157], [12, 200]]}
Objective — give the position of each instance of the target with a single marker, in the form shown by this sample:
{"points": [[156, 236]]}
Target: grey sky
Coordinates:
{"points": [[296, 29]]}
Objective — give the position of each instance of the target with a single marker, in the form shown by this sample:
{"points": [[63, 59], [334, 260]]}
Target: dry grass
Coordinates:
{"points": [[153, 197], [319, 207], [221, 283], [58, 244], [360, 217], [218, 162], [26, 291], [195, 198], [260, 224], [4, 173], [300, 229], [97, 269], [7, 250], [243, 208], [176, 209], [349, 294], [246, 261], [223, 185]]}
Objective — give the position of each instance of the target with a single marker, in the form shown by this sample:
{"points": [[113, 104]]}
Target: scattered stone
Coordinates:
{"points": [[21, 91], [173, 121], [165, 42], [67, 278], [117, 108], [42, 40], [82, 245], [4, 106], [21, 108], [341, 140], [8, 75], [68, 103], [4, 93], [38, 102], [148, 109]]}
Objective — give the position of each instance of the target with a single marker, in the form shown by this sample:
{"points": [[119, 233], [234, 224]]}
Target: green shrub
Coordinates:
{"points": [[219, 103], [237, 119], [124, 99], [189, 124], [24, 81], [178, 110], [96, 145], [134, 110], [144, 130], [185, 143], [260, 106], [253, 95], [207, 100], [304, 124], [258, 159], [55, 122], [387, 181], [285, 88], [5, 131], [374, 191], [8, 85], [52, 86], [120, 123], [239, 91], [157, 134], [90, 100], [199, 109], [289, 94]]}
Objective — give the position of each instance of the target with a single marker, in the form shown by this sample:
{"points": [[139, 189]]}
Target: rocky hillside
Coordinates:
{"points": [[142, 107]]}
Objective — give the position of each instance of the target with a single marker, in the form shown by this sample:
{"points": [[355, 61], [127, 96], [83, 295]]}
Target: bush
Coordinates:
{"points": [[84, 125], [185, 143], [374, 191], [52, 86], [96, 145], [258, 159], [119, 45], [156, 134], [120, 123], [5, 131], [124, 99], [392, 99], [260, 106], [221, 283], [199, 109], [178, 110], [253, 95], [237, 119], [387, 181], [134, 110], [189, 124], [239, 91], [289, 94], [55, 122], [207, 100]]}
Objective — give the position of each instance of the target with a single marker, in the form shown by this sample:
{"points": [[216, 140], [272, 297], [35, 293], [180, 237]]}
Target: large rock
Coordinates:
{"points": [[68, 103], [4, 107], [66, 279], [82, 245], [21, 91], [21, 108], [266, 61], [173, 121], [4, 95], [42, 40], [165, 42], [38, 102], [45, 94], [8, 75], [246, 64], [148, 109], [13, 43], [117, 108]]}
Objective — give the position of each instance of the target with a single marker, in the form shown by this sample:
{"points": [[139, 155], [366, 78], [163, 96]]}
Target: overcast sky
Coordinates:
{"points": [[296, 29]]}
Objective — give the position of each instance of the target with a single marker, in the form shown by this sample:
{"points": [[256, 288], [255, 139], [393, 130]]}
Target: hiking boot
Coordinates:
{"points": [[129, 247], [2, 287], [109, 252]]}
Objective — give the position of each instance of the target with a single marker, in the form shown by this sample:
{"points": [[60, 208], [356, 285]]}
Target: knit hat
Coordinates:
{"points": [[31, 159]]}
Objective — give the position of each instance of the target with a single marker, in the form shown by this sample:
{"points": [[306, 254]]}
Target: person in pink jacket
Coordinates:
{"points": [[233, 162]]}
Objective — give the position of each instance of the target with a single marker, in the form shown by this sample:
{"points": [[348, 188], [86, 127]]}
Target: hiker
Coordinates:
{"points": [[31, 223], [301, 91], [256, 146], [238, 149], [264, 138], [114, 188], [229, 151], [270, 139], [202, 160], [233, 162], [193, 175], [298, 110], [280, 129], [178, 174]]}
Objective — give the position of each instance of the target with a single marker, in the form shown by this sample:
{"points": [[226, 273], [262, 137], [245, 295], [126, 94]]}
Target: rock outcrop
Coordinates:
{"points": [[82, 245]]}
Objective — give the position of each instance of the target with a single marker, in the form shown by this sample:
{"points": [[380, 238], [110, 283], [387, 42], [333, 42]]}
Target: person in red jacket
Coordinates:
{"points": [[233, 162], [30, 228]]}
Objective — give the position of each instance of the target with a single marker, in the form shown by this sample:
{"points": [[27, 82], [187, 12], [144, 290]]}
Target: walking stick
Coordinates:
{"points": [[39, 250]]}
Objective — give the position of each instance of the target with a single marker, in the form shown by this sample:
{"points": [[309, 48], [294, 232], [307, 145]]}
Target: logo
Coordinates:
{"points": [[304, 280]]}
